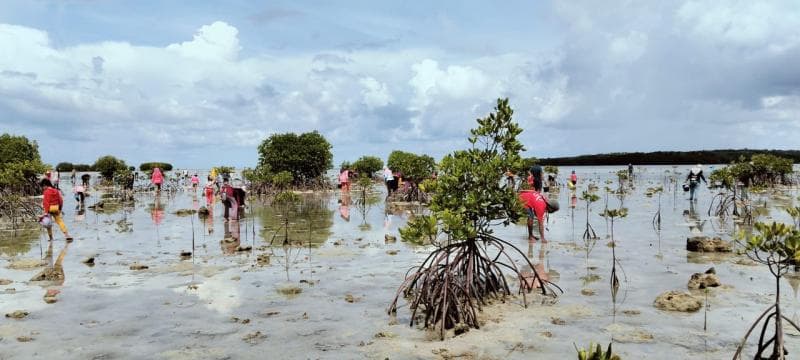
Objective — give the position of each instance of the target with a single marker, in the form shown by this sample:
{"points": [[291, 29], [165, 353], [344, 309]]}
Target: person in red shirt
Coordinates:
{"points": [[229, 201], [535, 205], [52, 203]]}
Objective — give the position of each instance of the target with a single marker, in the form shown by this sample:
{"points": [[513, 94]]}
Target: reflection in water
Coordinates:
{"points": [[540, 265], [157, 211], [232, 239], [693, 220], [344, 206], [19, 241], [308, 220]]}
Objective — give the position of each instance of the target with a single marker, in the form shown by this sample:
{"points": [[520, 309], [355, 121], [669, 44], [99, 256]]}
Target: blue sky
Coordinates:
{"points": [[203, 83]]}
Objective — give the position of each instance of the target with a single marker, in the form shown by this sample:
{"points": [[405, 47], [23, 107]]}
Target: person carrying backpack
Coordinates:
{"points": [[694, 177], [52, 203]]}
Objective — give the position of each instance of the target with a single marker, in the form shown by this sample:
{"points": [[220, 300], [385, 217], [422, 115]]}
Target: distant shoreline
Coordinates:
{"points": [[667, 157]]}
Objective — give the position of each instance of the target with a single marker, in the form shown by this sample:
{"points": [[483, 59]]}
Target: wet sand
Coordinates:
{"points": [[329, 300]]}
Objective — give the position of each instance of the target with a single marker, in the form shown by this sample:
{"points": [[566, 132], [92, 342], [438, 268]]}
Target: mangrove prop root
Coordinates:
{"points": [[456, 280], [776, 341]]}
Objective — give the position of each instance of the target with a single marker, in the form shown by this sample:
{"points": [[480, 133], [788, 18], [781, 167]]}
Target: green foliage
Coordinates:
{"points": [[282, 180], [20, 163], [286, 198], [774, 243], [368, 165], [421, 230], [414, 168], [364, 182], [615, 213], [64, 167], [346, 165], [224, 170], [108, 166], [307, 156], [149, 166], [83, 167], [468, 198], [551, 169], [589, 197], [761, 170], [525, 165], [622, 175], [596, 352], [259, 175]]}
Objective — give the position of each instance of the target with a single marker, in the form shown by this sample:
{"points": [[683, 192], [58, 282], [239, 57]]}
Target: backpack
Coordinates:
{"points": [[552, 205]]}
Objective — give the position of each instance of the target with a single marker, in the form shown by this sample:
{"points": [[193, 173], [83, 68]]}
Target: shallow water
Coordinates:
{"points": [[222, 303]]}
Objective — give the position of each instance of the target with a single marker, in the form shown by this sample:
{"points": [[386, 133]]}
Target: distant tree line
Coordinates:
{"points": [[668, 157]]}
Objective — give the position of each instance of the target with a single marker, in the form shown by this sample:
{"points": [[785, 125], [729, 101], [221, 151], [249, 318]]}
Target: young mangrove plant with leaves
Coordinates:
{"points": [[613, 214], [777, 246], [469, 270], [596, 352], [589, 198]]}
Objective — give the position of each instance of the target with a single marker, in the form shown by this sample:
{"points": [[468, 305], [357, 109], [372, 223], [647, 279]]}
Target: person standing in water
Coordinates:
{"points": [[157, 178], [344, 179], [228, 197], [52, 204], [56, 179], [388, 177], [630, 171], [208, 190], [195, 182], [694, 177], [573, 178], [73, 177], [535, 206]]}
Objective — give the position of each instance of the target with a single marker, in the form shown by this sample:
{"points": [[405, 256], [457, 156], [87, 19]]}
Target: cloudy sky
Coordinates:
{"points": [[199, 83]]}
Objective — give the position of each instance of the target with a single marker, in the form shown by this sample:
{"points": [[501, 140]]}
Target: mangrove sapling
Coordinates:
{"points": [[776, 245], [466, 272], [613, 214], [284, 201], [657, 216], [589, 198], [595, 352]]}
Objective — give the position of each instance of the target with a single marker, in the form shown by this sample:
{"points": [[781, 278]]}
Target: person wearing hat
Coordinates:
{"points": [[694, 177]]}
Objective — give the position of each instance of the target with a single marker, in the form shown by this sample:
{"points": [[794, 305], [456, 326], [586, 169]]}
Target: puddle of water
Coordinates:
{"points": [[328, 298]]}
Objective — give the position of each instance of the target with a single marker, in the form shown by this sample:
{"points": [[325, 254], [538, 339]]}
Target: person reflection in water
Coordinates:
{"points": [[527, 273], [157, 212], [693, 220], [344, 207], [231, 241], [210, 220]]}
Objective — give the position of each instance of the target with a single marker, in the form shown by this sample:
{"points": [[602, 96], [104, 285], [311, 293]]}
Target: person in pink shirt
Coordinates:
{"points": [[195, 182], [157, 179], [535, 205], [573, 178], [344, 179]]}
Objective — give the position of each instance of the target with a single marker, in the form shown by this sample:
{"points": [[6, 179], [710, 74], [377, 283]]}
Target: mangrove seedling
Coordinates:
{"points": [[595, 352], [612, 214], [777, 246], [589, 198], [657, 216], [470, 269]]}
